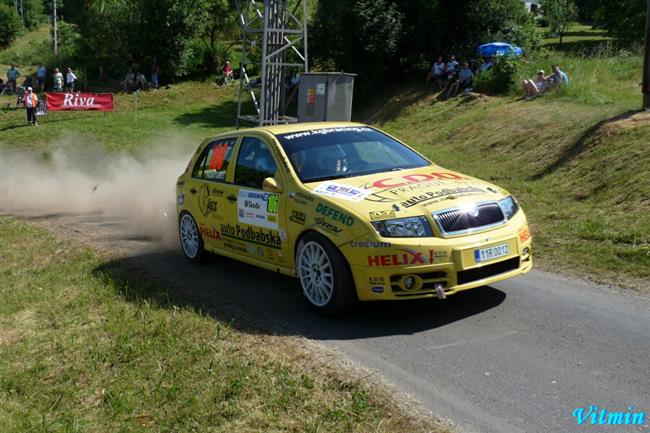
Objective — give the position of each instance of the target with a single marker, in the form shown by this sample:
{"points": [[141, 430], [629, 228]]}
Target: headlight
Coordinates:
{"points": [[413, 227], [509, 206]]}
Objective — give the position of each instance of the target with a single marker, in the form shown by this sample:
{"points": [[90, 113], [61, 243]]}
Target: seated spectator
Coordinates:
{"points": [[140, 81], [28, 81], [452, 64], [487, 64], [437, 73], [129, 81], [558, 77], [537, 87], [463, 81]]}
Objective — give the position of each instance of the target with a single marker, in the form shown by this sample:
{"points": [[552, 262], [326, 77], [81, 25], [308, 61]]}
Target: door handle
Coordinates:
{"points": [[232, 198], [193, 191]]}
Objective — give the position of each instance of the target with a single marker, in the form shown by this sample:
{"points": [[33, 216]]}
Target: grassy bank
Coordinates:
{"points": [[575, 158], [86, 348]]}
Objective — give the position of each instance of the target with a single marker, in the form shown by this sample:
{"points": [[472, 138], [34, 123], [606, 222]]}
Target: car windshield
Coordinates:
{"points": [[335, 153]]}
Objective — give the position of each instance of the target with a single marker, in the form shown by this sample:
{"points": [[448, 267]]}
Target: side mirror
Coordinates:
{"points": [[271, 185]]}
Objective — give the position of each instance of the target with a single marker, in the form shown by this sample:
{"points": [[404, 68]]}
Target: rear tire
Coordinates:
{"points": [[191, 240], [324, 275]]}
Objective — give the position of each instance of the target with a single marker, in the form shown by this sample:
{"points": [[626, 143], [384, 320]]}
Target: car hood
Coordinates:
{"points": [[403, 193]]}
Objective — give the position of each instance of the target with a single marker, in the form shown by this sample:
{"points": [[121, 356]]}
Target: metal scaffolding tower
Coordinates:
{"points": [[276, 31]]}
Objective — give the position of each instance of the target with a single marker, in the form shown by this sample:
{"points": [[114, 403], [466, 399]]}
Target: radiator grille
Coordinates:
{"points": [[456, 221]]}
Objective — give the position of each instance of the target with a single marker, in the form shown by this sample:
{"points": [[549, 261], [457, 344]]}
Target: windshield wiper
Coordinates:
{"points": [[323, 178]]}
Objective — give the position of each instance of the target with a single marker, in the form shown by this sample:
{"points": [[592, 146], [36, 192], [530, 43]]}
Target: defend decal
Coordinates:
{"points": [[298, 217], [321, 222], [334, 214], [268, 238], [345, 192], [381, 215], [407, 257], [258, 208]]}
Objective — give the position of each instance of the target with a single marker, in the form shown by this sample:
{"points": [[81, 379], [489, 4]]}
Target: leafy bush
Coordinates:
{"points": [[500, 78], [10, 25]]}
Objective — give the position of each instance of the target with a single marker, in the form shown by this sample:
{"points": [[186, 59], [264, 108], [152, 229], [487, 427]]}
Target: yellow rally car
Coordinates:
{"points": [[351, 212]]}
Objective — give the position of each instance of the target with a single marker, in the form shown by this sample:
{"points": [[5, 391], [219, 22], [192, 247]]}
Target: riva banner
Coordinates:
{"points": [[79, 101]]}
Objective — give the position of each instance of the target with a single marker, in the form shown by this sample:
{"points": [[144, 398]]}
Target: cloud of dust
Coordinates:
{"points": [[138, 191]]}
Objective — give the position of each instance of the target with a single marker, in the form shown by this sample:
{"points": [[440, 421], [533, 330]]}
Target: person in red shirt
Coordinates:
{"points": [[227, 72]]}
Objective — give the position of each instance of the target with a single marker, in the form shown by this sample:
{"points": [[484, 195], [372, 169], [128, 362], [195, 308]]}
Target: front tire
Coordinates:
{"points": [[324, 275], [191, 240]]}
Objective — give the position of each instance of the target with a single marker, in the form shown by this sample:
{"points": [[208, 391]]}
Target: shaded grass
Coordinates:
{"points": [[88, 348], [579, 37]]}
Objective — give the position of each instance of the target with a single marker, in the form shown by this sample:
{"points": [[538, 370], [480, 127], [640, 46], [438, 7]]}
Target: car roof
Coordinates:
{"points": [[299, 127]]}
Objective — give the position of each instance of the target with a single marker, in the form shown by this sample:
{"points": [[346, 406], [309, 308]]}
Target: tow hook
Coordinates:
{"points": [[440, 291]]}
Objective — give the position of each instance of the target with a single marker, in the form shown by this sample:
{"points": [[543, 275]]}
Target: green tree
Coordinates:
{"points": [[120, 34], [624, 19], [9, 25], [356, 36], [220, 32], [560, 14]]}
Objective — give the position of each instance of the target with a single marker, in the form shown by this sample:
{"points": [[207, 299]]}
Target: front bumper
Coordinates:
{"points": [[381, 270]]}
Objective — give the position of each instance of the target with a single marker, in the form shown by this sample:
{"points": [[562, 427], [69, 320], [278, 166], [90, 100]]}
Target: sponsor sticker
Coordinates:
{"points": [[524, 235], [258, 208], [210, 232], [259, 236], [346, 192], [407, 257], [381, 215], [334, 214], [370, 244], [298, 217], [322, 222]]}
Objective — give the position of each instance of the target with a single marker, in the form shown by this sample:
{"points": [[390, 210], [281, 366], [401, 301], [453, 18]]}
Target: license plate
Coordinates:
{"points": [[485, 254]]}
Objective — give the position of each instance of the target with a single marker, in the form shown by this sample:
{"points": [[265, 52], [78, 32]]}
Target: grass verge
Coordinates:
{"points": [[84, 348]]}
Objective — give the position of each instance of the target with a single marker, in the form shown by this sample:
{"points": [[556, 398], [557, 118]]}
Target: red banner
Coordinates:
{"points": [[79, 101]]}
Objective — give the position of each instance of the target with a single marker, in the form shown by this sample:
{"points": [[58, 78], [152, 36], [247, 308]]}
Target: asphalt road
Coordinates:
{"points": [[519, 356]]}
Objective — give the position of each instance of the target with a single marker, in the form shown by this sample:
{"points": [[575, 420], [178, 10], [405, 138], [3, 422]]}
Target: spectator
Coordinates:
{"points": [[452, 64], [70, 79], [227, 72], [28, 82], [154, 74], [140, 81], [129, 80], [488, 63], [537, 87], [2, 87], [464, 81], [41, 73], [30, 102], [437, 73], [57, 78], [558, 78], [12, 78]]}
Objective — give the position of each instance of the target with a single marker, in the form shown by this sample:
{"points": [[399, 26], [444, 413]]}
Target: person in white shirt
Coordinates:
{"points": [[452, 64], [70, 79], [58, 80], [437, 72]]}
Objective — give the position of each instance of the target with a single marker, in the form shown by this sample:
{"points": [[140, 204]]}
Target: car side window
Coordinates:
{"points": [[254, 163], [213, 163]]}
